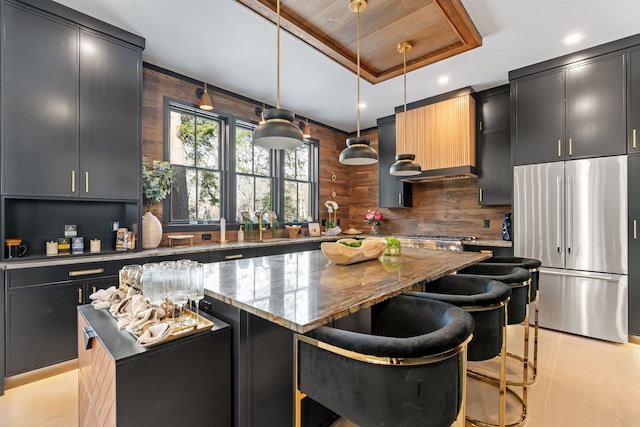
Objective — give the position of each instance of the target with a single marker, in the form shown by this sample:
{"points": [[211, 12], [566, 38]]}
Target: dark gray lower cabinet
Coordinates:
{"points": [[41, 312], [2, 334], [634, 244], [263, 371]]}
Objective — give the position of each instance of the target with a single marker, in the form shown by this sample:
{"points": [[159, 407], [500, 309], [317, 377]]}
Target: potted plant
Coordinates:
{"points": [[156, 186]]}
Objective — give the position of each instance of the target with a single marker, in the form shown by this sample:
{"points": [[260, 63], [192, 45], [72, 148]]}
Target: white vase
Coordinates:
{"points": [[151, 231]]}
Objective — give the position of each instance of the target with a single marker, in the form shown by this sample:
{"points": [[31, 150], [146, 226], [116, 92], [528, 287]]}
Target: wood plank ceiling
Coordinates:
{"points": [[438, 30]]}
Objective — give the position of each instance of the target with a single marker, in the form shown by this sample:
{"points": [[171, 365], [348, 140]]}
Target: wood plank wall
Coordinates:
{"points": [[439, 208]]}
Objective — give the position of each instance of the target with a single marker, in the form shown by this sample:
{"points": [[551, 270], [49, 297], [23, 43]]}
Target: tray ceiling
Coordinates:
{"points": [[438, 30]]}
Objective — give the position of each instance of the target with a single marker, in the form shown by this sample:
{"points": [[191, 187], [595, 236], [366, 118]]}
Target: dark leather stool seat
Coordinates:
{"points": [[486, 300], [409, 371]]}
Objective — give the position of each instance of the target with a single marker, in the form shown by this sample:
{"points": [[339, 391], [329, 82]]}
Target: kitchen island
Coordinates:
{"points": [[269, 299]]}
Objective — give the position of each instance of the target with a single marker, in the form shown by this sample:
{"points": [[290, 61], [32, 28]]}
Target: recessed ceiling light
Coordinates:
{"points": [[443, 80], [573, 38]]}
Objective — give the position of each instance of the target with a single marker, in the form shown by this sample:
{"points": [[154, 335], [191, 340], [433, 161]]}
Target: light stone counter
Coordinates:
{"points": [[138, 256], [303, 290]]}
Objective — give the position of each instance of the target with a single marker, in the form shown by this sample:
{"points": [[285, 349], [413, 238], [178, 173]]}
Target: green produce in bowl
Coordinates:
{"points": [[392, 242], [353, 244]]}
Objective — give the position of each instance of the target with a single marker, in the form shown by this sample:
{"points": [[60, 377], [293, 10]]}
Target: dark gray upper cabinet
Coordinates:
{"points": [[71, 107], [576, 111], [633, 128], [634, 244], [392, 193], [110, 100], [493, 142], [40, 104], [595, 108], [539, 118]]}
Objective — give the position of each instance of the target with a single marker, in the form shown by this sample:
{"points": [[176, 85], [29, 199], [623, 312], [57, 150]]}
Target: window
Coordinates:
{"points": [[194, 154], [218, 172], [254, 174], [297, 184]]}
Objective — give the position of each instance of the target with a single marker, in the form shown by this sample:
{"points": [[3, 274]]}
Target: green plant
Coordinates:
{"points": [[156, 181]]}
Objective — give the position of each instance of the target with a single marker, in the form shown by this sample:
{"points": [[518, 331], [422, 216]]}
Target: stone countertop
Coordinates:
{"points": [[43, 261], [303, 290]]}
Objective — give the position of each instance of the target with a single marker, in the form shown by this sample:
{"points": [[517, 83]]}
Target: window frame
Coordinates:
{"points": [[228, 180]]}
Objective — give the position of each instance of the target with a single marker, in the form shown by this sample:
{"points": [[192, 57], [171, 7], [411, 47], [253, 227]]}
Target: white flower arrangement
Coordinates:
{"points": [[332, 207]]}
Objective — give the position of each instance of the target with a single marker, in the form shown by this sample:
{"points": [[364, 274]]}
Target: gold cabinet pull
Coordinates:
{"points": [[94, 289], [480, 124], [559, 148], [481, 194], [73, 181], [570, 147], [86, 272], [237, 256], [635, 229], [634, 139], [86, 182], [80, 296]]}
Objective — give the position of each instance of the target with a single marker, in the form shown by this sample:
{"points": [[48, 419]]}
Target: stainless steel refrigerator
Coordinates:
{"points": [[572, 216]]}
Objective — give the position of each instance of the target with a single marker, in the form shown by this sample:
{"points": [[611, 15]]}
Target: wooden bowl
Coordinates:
{"points": [[372, 248]]}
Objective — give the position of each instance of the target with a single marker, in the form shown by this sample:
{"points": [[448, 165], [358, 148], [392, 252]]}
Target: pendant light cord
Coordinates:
{"points": [[404, 116], [278, 54], [358, 64]]}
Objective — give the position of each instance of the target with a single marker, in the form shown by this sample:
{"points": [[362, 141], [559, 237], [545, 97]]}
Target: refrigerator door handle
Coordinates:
{"points": [[559, 214], [584, 274], [569, 213]]}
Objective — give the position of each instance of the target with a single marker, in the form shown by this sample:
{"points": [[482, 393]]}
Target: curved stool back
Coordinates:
{"points": [[533, 265], [516, 277], [486, 301], [409, 371]]}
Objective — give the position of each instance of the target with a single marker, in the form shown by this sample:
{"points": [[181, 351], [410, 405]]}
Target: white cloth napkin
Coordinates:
{"points": [[143, 319], [154, 334]]}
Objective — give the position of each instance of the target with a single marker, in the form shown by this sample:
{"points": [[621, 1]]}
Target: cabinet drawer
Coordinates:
{"points": [[233, 254], [62, 273]]}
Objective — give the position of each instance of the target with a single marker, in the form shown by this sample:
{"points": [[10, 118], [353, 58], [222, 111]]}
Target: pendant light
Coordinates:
{"points": [[278, 131], [404, 165], [205, 98], [358, 151]]}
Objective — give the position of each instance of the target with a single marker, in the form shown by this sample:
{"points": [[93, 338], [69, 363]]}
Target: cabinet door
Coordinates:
{"points": [[41, 326], [539, 118], [495, 175], [596, 109], [634, 244], [40, 102], [633, 136], [392, 193], [110, 103]]}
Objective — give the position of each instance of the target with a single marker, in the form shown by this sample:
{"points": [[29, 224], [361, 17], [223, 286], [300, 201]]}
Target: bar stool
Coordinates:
{"points": [[533, 265], [486, 300], [409, 371], [517, 314]]}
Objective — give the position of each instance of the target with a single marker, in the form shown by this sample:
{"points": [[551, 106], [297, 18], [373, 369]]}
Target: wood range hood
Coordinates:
{"points": [[440, 131]]}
